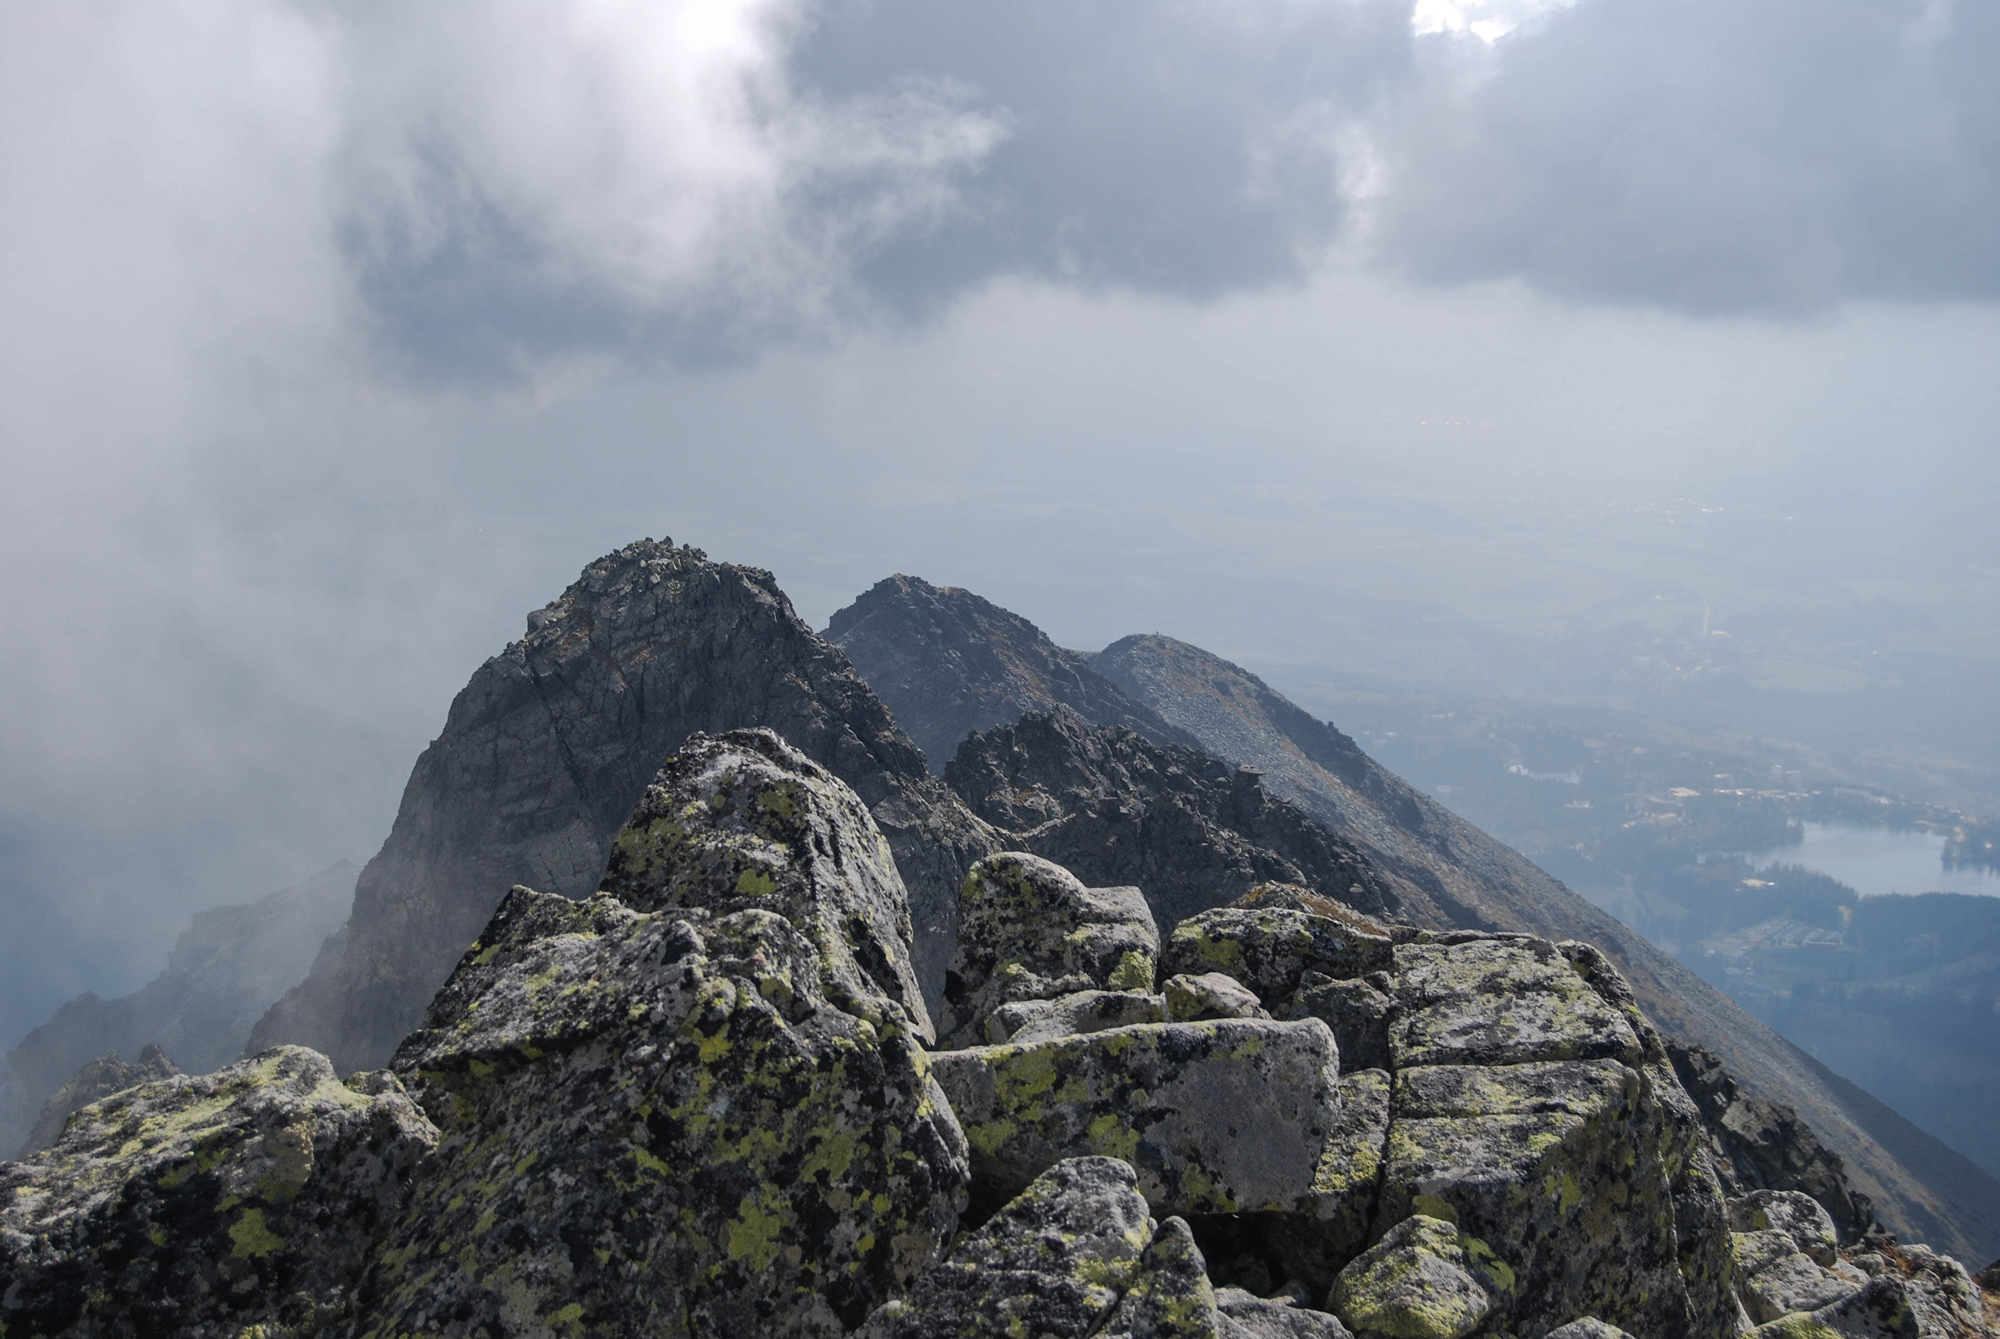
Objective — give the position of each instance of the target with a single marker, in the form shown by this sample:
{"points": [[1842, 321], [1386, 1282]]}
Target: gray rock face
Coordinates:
{"points": [[1442, 872], [743, 822], [1028, 929], [1760, 1145], [1260, 1318], [1114, 808], [1071, 1015], [1054, 1262], [1222, 1117], [207, 1206], [690, 1120], [95, 1081], [1423, 1280], [224, 971], [949, 663], [1191, 999], [1171, 1298], [547, 749]]}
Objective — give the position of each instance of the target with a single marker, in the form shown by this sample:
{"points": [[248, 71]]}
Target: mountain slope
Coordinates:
{"points": [[225, 970], [547, 749], [1920, 1187], [947, 663]]}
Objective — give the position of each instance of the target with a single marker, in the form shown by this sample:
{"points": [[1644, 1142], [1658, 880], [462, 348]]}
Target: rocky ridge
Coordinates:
{"points": [[950, 663], [701, 1102], [1431, 867]]}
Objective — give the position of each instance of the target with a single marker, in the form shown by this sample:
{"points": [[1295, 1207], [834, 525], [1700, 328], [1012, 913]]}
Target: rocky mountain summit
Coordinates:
{"points": [[704, 1100], [546, 750], [1432, 867]]}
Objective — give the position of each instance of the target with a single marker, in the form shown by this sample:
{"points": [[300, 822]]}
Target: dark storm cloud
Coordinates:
{"points": [[1712, 156]]}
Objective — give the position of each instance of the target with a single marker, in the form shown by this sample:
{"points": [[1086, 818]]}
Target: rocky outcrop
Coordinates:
{"points": [[1527, 1160], [1115, 808], [1030, 934], [949, 663], [1444, 873], [1759, 1145], [95, 1081], [699, 1102], [224, 971], [211, 1206], [547, 749], [709, 1116]]}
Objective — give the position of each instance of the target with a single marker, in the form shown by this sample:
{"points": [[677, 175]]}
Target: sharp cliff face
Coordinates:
{"points": [[948, 663], [225, 970], [545, 752], [1449, 872]]}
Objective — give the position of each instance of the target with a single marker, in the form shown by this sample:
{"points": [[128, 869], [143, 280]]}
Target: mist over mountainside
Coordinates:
{"points": [[226, 969], [1448, 873]]}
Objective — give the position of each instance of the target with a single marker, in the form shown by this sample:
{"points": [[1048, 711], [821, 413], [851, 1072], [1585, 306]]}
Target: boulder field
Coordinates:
{"points": [[710, 1099]]}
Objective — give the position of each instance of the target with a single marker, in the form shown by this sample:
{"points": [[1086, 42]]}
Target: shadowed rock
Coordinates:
{"points": [[949, 663], [1052, 1263]]}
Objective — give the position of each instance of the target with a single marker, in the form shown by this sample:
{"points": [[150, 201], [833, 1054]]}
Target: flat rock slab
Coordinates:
{"points": [[1499, 1002], [1226, 1116]]}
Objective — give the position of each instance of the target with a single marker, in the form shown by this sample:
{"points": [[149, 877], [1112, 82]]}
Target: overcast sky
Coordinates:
{"points": [[334, 337]]}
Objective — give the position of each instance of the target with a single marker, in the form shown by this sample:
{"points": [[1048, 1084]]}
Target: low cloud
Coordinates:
{"points": [[1782, 157]]}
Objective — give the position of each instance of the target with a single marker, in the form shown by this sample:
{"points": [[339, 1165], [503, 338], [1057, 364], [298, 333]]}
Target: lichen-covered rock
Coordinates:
{"points": [[658, 1123], [1500, 1001], [1556, 1167], [1359, 1012], [208, 1206], [1221, 1117], [1070, 1015], [1171, 1298], [1784, 1249], [1269, 948], [1942, 1298], [1419, 1282], [1028, 929], [1190, 999], [1882, 1310], [744, 821], [94, 1082], [1802, 1220], [1051, 1264], [1590, 1327], [1256, 1317], [1332, 1221]]}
